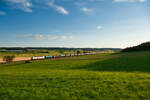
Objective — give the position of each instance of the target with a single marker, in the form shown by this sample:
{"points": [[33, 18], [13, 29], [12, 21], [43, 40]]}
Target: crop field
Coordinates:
{"points": [[28, 54], [117, 76]]}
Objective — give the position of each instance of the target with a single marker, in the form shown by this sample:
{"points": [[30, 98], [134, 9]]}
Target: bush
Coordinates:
{"points": [[8, 59], [27, 61], [78, 52]]}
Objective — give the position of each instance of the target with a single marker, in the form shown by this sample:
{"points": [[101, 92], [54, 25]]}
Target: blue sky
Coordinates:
{"points": [[74, 23]]}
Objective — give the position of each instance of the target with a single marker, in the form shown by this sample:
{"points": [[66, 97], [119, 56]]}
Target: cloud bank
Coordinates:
{"points": [[39, 36]]}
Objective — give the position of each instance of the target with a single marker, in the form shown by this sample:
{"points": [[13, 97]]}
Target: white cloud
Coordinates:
{"points": [[24, 5], [39, 36], [60, 9], [27, 5], [99, 27], [130, 1], [2, 13], [87, 10]]}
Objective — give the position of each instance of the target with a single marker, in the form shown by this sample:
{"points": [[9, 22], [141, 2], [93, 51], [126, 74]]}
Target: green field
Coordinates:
{"points": [[43, 53], [30, 54], [120, 76]]}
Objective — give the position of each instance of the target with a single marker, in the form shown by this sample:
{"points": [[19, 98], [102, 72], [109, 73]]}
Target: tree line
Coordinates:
{"points": [[57, 48]]}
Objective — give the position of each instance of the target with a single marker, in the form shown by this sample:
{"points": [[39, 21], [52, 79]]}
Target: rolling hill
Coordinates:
{"points": [[142, 47]]}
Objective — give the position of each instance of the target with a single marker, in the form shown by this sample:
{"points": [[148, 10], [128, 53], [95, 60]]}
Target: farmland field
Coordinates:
{"points": [[118, 76], [27, 54]]}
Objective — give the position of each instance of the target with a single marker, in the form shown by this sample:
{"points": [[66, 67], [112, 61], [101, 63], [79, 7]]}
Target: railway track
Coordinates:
{"points": [[23, 59]]}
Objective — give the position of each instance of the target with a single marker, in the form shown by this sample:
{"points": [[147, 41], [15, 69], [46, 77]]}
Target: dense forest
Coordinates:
{"points": [[142, 47]]}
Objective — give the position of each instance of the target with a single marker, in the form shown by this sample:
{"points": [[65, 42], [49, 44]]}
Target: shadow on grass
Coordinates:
{"points": [[15, 63], [121, 64]]}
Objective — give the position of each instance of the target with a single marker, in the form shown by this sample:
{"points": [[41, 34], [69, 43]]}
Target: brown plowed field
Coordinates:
{"points": [[18, 59]]}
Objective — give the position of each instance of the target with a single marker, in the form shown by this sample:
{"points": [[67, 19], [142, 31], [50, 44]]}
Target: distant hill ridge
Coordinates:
{"points": [[142, 47], [57, 48]]}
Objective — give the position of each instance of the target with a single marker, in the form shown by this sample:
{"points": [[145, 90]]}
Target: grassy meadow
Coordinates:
{"points": [[30, 54], [118, 76]]}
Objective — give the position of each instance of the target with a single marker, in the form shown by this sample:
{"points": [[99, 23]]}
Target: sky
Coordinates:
{"points": [[74, 23]]}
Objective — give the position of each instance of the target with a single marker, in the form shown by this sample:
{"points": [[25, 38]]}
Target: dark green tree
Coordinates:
{"points": [[8, 59], [78, 51]]}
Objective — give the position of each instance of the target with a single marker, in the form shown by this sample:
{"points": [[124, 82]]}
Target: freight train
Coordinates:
{"points": [[52, 57], [60, 56]]}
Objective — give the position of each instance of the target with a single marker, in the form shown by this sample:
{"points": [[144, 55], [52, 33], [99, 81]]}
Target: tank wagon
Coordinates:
{"points": [[72, 55], [82, 54], [38, 58], [57, 56], [62, 55], [67, 55], [49, 57], [76, 54]]}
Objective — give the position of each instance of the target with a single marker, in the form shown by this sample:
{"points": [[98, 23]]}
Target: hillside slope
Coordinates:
{"points": [[142, 47]]}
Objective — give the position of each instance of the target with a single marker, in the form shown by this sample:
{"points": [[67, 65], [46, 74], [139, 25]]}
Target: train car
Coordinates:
{"points": [[56, 56], [48, 57], [79, 54], [38, 58], [62, 55], [72, 55], [34, 58], [82, 54], [87, 53], [76, 54], [67, 55]]}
